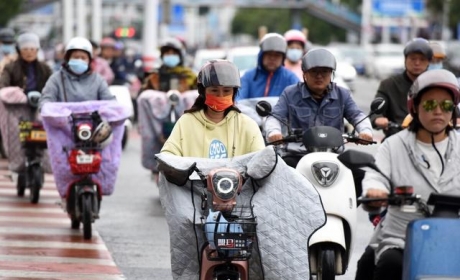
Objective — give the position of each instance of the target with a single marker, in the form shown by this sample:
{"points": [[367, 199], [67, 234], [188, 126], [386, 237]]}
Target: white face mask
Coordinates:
{"points": [[294, 55], [434, 66]]}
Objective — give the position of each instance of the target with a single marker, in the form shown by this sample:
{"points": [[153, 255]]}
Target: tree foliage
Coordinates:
{"points": [[9, 9], [248, 20]]}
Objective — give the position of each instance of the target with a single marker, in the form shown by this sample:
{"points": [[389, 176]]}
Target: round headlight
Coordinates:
{"points": [[225, 185], [84, 132]]}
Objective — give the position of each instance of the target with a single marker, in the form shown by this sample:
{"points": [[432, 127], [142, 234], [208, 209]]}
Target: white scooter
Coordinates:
{"points": [[123, 95], [330, 247]]}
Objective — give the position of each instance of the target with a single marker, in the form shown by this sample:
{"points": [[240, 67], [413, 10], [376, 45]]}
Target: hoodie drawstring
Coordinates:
{"points": [[267, 84]]}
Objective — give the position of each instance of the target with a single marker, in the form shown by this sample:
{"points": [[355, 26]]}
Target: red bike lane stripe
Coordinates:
{"points": [[36, 241]]}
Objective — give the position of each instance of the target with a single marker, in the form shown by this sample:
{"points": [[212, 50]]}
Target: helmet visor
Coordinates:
{"points": [[220, 74]]}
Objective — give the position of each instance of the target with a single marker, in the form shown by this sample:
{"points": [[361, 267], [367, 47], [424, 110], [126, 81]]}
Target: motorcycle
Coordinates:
{"points": [[432, 243], [331, 246], [84, 142], [158, 113], [123, 95], [241, 223]]}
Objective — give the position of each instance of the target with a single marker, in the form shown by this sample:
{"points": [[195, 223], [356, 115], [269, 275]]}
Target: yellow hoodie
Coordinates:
{"points": [[195, 136]]}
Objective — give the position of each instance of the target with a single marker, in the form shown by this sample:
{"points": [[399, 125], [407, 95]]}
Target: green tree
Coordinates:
{"points": [[248, 20], [9, 9]]}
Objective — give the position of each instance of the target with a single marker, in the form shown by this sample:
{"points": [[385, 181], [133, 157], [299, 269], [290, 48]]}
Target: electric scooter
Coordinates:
{"points": [[432, 244], [331, 246]]}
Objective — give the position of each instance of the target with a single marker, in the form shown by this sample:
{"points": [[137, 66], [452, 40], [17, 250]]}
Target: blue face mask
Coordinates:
{"points": [[294, 55], [8, 49], [434, 66], [171, 60], [78, 66]]}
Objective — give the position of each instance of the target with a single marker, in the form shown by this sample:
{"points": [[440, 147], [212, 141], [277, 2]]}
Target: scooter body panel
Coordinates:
{"points": [[338, 198], [331, 232], [432, 249]]}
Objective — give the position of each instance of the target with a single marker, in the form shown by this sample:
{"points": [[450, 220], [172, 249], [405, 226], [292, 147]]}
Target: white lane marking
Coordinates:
{"points": [[59, 275], [42, 192], [41, 220], [52, 244], [8, 209], [43, 200], [59, 260], [43, 231]]}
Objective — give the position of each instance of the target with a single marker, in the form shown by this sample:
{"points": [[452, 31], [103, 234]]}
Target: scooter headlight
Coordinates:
{"points": [[84, 131], [226, 184], [325, 173]]}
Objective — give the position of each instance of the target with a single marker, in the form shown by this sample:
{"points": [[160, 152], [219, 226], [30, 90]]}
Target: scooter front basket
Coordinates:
{"points": [[231, 237]]}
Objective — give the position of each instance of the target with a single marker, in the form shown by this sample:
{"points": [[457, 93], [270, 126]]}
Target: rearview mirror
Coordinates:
{"points": [[377, 105], [263, 108], [353, 159]]}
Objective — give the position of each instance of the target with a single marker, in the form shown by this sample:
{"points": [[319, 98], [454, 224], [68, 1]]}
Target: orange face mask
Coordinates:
{"points": [[218, 103]]}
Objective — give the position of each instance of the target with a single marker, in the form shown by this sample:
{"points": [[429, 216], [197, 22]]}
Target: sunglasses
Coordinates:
{"points": [[446, 105]]}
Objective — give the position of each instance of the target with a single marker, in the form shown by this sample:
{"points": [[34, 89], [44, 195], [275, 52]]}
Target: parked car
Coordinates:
{"points": [[244, 58], [204, 55], [385, 60]]}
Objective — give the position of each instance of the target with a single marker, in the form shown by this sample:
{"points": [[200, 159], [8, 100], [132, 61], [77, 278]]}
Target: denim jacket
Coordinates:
{"points": [[301, 110]]}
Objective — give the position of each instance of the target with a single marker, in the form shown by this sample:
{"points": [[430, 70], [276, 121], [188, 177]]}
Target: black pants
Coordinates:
{"points": [[390, 265]]}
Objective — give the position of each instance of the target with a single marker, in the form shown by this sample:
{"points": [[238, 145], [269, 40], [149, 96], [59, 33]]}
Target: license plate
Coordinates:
{"points": [[38, 135], [85, 159]]}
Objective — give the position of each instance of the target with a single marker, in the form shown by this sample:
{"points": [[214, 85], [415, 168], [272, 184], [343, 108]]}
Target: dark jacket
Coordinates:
{"points": [[394, 90], [15, 74]]}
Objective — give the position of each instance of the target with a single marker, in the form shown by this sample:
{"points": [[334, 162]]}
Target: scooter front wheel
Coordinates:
{"points": [[36, 173], [86, 216], [326, 265], [21, 184]]}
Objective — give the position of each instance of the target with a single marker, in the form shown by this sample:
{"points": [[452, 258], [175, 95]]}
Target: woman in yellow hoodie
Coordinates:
{"points": [[214, 127]]}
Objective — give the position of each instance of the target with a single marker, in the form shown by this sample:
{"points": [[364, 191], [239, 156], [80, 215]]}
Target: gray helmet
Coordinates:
{"points": [[219, 72], [419, 45], [318, 58], [7, 36], [273, 42]]}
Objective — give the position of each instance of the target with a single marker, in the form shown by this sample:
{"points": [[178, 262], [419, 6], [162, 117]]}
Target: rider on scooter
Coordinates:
{"points": [[172, 74], [394, 89], [26, 76], [296, 49], [225, 132], [76, 81], [424, 156], [270, 77], [316, 101]]}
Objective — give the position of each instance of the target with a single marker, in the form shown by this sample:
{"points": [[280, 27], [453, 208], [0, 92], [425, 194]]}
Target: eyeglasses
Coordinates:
{"points": [[446, 105], [324, 72]]}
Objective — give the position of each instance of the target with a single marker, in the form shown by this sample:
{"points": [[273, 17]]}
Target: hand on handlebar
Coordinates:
{"points": [[367, 138], [275, 137], [381, 122], [376, 194]]}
